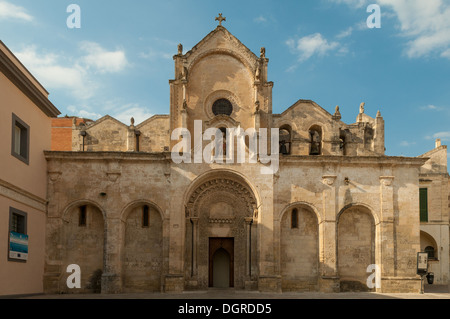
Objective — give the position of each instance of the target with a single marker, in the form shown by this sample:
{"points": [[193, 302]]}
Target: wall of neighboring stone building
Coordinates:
{"points": [[110, 135], [435, 232], [155, 134], [62, 132]]}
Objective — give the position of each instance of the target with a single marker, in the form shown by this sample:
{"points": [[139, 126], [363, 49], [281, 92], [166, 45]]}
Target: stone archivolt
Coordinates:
{"points": [[221, 184]]}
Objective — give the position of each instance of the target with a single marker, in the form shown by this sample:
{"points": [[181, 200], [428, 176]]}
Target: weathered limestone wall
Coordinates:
{"points": [[356, 248], [143, 252], [299, 251], [364, 138], [155, 134], [113, 189], [331, 190]]}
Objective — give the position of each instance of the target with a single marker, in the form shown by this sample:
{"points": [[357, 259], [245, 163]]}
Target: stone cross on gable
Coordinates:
{"points": [[220, 19]]}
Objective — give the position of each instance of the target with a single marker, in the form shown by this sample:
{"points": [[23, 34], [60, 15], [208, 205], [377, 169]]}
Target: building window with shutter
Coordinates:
{"points": [[423, 197], [20, 144]]}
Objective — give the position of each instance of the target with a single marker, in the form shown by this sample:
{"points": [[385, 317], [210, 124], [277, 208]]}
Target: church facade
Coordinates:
{"points": [[335, 211]]}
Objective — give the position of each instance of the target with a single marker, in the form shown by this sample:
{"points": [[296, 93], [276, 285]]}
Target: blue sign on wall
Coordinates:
{"points": [[18, 246]]}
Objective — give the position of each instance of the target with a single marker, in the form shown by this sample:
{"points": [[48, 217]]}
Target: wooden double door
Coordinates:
{"points": [[221, 262]]}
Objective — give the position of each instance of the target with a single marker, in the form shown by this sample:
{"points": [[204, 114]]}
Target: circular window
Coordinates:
{"points": [[222, 107]]}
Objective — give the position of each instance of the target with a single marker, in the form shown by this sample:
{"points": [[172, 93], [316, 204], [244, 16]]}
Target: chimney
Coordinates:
{"points": [[438, 143]]}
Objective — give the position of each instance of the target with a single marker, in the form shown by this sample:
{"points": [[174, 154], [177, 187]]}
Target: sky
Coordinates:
{"points": [[119, 62]]}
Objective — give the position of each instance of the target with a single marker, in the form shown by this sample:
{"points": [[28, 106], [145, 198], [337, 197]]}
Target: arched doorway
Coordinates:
{"points": [[221, 262], [82, 242], [299, 247], [142, 252], [221, 213], [356, 247]]}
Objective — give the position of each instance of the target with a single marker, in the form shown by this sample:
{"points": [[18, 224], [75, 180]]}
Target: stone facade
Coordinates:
{"points": [[434, 226], [118, 203]]}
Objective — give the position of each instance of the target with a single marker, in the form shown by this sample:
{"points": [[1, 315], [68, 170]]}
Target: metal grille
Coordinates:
{"points": [[222, 107]]}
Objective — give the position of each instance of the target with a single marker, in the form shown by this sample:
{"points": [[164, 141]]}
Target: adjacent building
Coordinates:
{"points": [[25, 132], [434, 193]]}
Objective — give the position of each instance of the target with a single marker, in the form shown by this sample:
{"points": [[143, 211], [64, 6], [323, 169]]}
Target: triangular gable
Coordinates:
{"points": [[233, 47], [151, 119], [314, 104], [105, 118], [215, 33]]}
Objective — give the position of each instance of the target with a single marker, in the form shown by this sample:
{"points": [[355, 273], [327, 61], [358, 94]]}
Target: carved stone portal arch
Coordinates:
{"points": [[220, 207], [238, 189]]}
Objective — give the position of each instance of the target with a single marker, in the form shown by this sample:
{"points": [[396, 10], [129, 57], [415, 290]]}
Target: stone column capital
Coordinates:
{"points": [[329, 179], [386, 180]]}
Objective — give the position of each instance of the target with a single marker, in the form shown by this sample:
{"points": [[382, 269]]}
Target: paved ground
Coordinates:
{"points": [[431, 292]]}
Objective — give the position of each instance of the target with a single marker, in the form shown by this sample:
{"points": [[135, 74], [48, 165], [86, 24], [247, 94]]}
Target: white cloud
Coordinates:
{"points": [[260, 19], [314, 44], [351, 3], [74, 75], [127, 111], [11, 11], [407, 144], [346, 33], [101, 60], [83, 113], [431, 107], [53, 74], [425, 24], [444, 136], [154, 54]]}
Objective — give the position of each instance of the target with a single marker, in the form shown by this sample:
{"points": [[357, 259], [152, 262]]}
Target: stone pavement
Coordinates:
{"points": [[431, 292]]}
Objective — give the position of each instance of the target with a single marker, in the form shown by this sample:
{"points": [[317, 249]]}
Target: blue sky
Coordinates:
{"points": [[120, 61]]}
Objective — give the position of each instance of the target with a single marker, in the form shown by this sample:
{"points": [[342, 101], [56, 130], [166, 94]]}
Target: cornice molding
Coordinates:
{"points": [[20, 80]]}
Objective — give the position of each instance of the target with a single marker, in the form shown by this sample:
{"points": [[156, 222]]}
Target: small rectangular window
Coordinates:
{"points": [[294, 218], [423, 198], [145, 216], [20, 144], [18, 223], [82, 220]]}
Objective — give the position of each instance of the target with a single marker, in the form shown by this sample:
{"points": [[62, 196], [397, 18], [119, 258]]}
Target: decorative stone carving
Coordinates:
{"points": [[244, 55], [329, 179], [221, 220], [54, 176], [220, 94], [222, 184], [361, 108], [386, 180], [337, 114], [184, 73], [220, 19], [113, 176], [258, 74]]}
